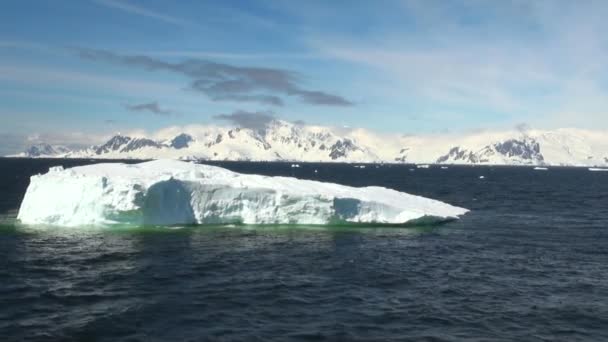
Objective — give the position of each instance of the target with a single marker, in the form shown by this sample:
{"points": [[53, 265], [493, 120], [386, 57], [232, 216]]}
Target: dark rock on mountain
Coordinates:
{"points": [[181, 141], [136, 144], [458, 155], [44, 150], [342, 148], [402, 155], [114, 144], [259, 138], [527, 149]]}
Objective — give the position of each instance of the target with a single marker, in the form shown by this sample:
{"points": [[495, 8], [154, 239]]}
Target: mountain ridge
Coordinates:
{"points": [[286, 141]]}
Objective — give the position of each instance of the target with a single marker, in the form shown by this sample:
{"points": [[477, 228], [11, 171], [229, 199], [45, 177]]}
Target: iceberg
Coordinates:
{"points": [[171, 192]]}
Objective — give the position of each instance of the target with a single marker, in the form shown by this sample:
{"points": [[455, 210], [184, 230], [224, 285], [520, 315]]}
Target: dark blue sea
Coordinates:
{"points": [[528, 263]]}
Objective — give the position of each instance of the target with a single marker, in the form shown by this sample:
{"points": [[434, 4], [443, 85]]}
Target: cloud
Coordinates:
{"points": [[522, 127], [144, 12], [151, 107], [225, 82], [72, 139], [13, 143], [244, 119], [300, 55], [263, 99], [321, 98], [32, 74], [490, 61]]}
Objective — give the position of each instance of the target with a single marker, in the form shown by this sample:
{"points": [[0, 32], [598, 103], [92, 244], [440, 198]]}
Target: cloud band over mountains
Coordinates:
{"points": [[224, 82], [151, 107], [245, 119]]}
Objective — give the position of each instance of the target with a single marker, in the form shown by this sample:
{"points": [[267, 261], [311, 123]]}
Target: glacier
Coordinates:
{"points": [[171, 192]]}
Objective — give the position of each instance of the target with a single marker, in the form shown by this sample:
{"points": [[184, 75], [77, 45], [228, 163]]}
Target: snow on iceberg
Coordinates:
{"points": [[166, 192]]}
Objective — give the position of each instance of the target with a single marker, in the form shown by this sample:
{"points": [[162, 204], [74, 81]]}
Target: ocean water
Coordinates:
{"points": [[528, 263]]}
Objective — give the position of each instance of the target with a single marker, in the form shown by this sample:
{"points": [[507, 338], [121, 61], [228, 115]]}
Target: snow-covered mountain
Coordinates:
{"points": [[42, 150], [286, 141]]}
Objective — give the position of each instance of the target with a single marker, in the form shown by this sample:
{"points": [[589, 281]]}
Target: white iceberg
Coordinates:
{"points": [[166, 192]]}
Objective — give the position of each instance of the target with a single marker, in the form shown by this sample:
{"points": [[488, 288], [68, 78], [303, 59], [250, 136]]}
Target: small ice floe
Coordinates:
{"points": [[444, 167], [423, 166], [598, 169], [412, 170], [482, 177], [360, 166], [295, 165], [316, 171], [539, 168]]}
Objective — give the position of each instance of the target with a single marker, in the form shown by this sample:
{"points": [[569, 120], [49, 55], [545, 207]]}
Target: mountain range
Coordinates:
{"points": [[286, 141]]}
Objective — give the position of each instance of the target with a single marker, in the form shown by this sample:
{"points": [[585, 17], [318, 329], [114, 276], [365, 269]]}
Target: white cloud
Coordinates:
{"points": [[13, 143], [144, 12], [29, 74], [532, 60]]}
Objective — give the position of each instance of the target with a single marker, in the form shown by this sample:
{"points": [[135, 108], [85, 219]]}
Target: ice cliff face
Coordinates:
{"points": [[166, 192]]}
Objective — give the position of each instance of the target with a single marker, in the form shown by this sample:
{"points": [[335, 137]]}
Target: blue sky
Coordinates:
{"points": [[73, 71]]}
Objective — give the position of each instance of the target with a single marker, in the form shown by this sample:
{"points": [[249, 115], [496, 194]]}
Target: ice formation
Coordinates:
{"points": [[166, 192]]}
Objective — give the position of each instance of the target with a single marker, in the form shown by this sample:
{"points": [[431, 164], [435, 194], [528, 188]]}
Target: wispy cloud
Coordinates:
{"points": [[37, 75], [150, 107], [244, 119], [13, 143], [225, 82], [305, 55], [144, 12], [519, 58], [17, 44]]}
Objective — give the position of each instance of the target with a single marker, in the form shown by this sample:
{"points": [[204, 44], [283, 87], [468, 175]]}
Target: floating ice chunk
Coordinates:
{"points": [[539, 168], [169, 192], [597, 169]]}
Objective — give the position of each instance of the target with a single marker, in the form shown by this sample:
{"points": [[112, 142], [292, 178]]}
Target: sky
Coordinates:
{"points": [[73, 72]]}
